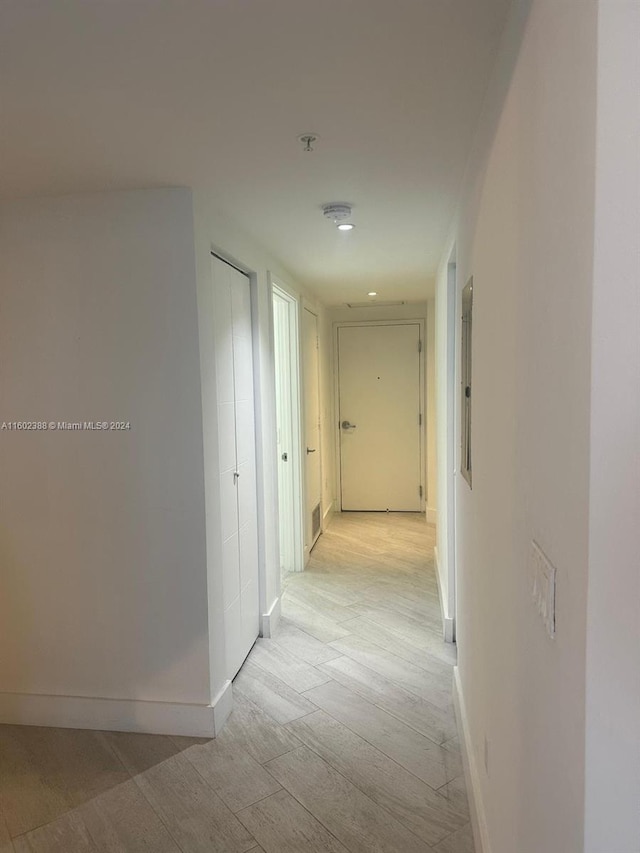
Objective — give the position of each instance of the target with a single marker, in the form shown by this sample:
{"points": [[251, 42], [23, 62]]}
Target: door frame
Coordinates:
{"points": [[422, 382], [312, 308], [295, 400], [452, 437]]}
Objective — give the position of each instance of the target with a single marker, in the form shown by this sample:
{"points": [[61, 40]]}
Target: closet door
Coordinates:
{"points": [[236, 438]]}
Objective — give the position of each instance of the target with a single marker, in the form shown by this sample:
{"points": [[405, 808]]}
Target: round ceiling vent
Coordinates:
{"points": [[337, 211]]}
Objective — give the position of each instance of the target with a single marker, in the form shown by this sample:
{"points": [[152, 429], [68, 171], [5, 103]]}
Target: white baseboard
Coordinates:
{"points": [[449, 632], [269, 621], [432, 515], [471, 772], [120, 715], [222, 706], [448, 622]]}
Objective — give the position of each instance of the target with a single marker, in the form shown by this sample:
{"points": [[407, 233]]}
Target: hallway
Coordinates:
{"points": [[358, 673], [342, 738]]}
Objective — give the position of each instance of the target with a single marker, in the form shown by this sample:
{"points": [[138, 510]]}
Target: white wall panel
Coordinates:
{"points": [[103, 534]]}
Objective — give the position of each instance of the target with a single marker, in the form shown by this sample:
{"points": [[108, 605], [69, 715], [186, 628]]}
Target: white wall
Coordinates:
{"points": [[102, 537], [612, 808], [525, 232], [448, 457]]}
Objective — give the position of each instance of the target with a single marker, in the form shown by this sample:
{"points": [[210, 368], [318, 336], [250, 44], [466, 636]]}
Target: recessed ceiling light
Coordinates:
{"points": [[346, 226], [372, 293]]}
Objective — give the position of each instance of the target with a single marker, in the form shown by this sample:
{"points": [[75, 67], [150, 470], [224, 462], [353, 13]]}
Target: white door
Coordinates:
{"points": [[236, 440], [313, 477], [286, 361], [380, 417]]}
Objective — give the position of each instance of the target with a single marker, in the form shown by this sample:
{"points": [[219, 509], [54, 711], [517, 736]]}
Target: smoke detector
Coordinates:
{"points": [[337, 211]]}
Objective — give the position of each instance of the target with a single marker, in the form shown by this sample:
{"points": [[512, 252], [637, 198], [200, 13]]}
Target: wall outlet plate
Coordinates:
{"points": [[543, 587]]}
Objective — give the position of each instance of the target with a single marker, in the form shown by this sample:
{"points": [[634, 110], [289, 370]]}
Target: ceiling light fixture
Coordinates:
{"points": [[372, 293], [346, 226]]}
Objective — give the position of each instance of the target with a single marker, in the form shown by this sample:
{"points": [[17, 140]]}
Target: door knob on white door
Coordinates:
{"points": [[347, 425], [311, 450]]}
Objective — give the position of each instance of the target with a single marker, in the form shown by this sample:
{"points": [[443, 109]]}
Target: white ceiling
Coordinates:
{"points": [[99, 94]]}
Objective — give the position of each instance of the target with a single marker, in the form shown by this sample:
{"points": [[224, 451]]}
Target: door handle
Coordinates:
{"points": [[311, 450], [347, 425], [236, 474]]}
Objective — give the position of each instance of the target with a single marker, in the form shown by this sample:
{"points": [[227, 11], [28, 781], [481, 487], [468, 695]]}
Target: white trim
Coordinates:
{"points": [[448, 622], [269, 621], [471, 773], [297, 461], [119, 715], [432, 515], [328, 513], [222, 706], [314, 310], [451, 368], [422, 323]]}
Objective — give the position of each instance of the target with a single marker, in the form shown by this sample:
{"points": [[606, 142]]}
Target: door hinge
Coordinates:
{"points": [[419, 346], [420, 491], [419, 418]]}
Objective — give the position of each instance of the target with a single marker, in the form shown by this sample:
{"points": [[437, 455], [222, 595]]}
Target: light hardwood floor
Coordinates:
{"points": [[342, 738]]}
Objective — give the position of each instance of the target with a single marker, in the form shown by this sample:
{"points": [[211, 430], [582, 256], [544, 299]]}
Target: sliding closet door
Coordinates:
{"points": [[236, 437]]}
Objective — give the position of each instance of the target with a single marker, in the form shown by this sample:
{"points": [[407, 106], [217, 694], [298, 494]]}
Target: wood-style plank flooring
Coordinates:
{"points": [[342, 738]]}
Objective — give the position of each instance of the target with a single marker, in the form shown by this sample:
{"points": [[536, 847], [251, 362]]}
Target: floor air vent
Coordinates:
{"points": [[315, 521]]}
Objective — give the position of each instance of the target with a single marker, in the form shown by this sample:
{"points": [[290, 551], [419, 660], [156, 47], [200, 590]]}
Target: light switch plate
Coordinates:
{"points": [[543, 587]]}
